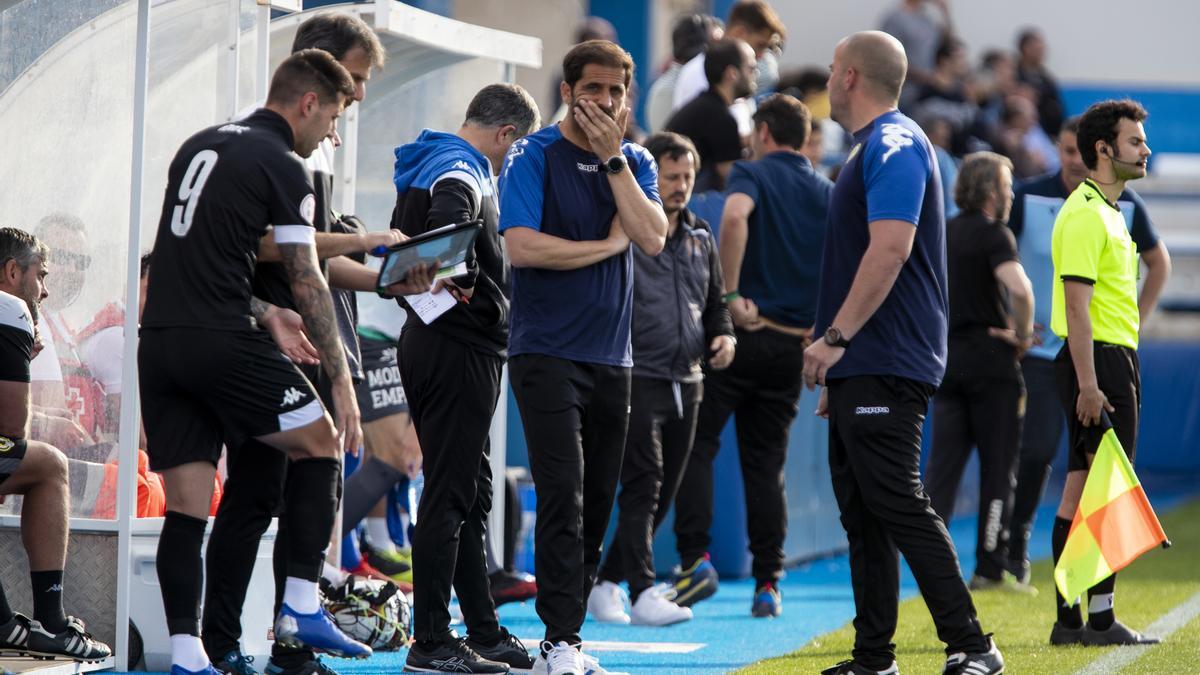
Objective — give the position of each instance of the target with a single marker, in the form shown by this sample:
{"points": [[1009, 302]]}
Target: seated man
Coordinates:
{"points": [[35, 470]]}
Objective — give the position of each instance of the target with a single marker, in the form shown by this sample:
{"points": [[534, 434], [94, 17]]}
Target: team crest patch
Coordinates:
{"points": [[308, 208], [6, 444]]}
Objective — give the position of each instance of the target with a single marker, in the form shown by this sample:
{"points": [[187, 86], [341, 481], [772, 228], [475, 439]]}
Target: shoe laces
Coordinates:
{"points": [[507, 638], [562, 654]]}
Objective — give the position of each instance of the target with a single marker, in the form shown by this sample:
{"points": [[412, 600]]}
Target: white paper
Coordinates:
{"points": [[430, 306]]}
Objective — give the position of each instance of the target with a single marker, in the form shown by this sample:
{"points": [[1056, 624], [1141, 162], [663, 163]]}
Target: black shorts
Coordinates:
{"points": [[1119, 377], [380, 394], [202, 388], [12, 451]]}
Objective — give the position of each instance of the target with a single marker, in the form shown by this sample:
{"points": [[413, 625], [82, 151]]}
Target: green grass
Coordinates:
{"points": [[1147, 589]]}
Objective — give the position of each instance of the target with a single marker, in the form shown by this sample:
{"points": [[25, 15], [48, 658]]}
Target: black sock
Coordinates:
{"points": [[181, 571], [47, 600], [365, 487], [311, 506], [6, 613], [1103, 619], [1068, 614]]}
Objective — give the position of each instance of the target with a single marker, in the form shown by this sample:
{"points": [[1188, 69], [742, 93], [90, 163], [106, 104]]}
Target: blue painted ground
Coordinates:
{"points": [[817, 599]]}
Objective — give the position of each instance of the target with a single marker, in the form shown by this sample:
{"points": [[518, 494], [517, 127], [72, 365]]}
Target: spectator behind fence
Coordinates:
{"points": [[1031, 70], [913, 24], [674, 333], [574, 196], [1036, 205], [981, 400], [690, 36], [706, 119], [771, 234], [881, 315]]}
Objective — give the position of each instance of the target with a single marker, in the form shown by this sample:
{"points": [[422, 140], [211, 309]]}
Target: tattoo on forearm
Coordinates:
{"points": [[315, 304]]}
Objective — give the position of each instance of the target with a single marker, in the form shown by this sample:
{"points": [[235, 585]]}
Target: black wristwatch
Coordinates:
{"points": [[833, 338], [615, 164]]}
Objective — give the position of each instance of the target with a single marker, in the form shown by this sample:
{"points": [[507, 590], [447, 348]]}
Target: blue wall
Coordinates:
{"points": [[1171, 126], [632, 19]]}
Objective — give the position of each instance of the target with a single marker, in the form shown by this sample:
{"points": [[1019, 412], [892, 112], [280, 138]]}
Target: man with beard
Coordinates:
{"points": [[771, 234], [1095, 311], [706, 120], [574, 196]]}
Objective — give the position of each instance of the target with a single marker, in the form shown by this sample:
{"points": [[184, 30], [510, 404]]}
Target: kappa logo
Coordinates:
{"points": [[291, 396], [389, 356], [872, 410], [233, 129], [588, 168], [54, 588], [895, 137], [462, 165]]}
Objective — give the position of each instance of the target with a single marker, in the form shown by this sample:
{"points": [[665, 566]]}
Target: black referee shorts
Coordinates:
{"points": [[204, 388], [1119, 377]]}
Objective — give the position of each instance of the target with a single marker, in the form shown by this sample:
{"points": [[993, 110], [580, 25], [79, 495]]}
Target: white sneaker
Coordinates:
{"points": [[591, 666], [559, 659], [606, 603], [652, 609]]}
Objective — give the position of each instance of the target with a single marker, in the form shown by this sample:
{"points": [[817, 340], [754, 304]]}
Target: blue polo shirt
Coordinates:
{"points": [[1034, 211], [786, 231], [891, 174], [556, 187]]}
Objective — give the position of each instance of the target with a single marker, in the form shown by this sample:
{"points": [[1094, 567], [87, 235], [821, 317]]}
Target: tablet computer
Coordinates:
{"points": [[449, 245]]}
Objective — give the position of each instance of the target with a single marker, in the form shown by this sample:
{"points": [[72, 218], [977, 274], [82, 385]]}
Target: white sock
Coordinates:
{"points": [[1102, 602], [187, 652], [301, 596], [378, 535], [332, 574]]}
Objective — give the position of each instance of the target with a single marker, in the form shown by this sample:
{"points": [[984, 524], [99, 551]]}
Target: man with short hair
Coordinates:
{"points": [[1035, 207], [881, 318], [1096, 312], [981, 401], [1031, 70], [451, 370], [673, 332], [751, 21], [575, 195], [913, 23], [34, 470], [689, 37], [771, 233], [706, 120], [226, 186]]}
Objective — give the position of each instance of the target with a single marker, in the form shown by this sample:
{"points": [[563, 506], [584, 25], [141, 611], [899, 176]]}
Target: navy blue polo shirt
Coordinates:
{"points": [[556, 187], [891, 174], [786, 230], [1034, 211]]}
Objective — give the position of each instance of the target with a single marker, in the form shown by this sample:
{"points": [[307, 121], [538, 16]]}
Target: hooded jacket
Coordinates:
{"points": [[677, 306], [441, 180]]}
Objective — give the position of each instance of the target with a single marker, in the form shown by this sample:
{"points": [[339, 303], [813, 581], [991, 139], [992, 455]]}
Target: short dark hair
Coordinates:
{"points": [[67, 221], [979, 179], [1026, 35], [690, 36], [672, 145], [756, 15], [497, 105], [787, 119], [1099, 123], [308, 70], [947, 48], [598, 52], [338, 33], [722, 54], [22, 247], [1070, 124]]}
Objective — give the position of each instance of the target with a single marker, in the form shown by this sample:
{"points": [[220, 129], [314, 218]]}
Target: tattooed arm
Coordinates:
{"points": [[311, 293]]}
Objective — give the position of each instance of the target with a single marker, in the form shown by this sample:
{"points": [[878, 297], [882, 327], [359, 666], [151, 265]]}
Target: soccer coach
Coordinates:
{"points": [[882, 315]]}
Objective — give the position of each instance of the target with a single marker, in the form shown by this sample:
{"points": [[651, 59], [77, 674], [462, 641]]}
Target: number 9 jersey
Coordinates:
{"points": [[225, 186]]}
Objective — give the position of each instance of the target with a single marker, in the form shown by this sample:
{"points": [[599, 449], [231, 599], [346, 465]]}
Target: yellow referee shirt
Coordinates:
{"points": [[1091, 244]]}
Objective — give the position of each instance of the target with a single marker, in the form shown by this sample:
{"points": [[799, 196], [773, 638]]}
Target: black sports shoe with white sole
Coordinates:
{"points": [[509, 650], [14, 635], [1116, 634], [451, 656], [980, 663], [73, 642]]}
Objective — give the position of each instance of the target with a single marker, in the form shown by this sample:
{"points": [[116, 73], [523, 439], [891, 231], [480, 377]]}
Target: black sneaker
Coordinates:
{"points": [[450, 656], [14, 635], [314, 666], [509, 650], [856, 668], [981, 663], [73, 642], [1061, 635], [1116, 634], [235, 663]]}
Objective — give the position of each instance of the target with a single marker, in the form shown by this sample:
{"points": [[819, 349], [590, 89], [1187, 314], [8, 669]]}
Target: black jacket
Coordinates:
{"points": [[677, 306]]}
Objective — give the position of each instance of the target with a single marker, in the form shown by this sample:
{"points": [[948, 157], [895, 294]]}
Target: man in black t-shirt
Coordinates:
{"points": [[226, 186], [982, 398], [706, 120], [35, 470]]}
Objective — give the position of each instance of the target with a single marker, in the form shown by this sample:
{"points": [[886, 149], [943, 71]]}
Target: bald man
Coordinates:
{"points": [[880, 354]]}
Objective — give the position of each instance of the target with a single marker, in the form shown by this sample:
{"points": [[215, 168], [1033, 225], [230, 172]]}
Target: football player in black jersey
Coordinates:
{"points": [[35, 470], [209, 377]]}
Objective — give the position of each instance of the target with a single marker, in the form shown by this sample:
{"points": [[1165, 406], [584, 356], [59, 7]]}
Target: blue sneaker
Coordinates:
{"points": [[695, 583], [207, 670], [767, 602], [316, 631], [235, 663]]}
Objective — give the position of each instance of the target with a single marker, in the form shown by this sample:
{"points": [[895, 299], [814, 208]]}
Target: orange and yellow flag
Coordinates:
{"points": [[1113, 525]]}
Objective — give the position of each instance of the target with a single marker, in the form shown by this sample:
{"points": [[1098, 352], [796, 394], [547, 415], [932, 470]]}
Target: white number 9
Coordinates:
{"points": [[189, 191]]}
